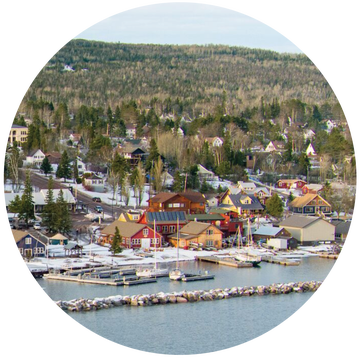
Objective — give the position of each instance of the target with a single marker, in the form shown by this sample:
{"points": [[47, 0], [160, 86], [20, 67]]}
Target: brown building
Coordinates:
{"points": [[191, 202]]}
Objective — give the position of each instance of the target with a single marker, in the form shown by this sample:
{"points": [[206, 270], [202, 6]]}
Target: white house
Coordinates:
{"points": [[94, 183], [214, 141], [308, 134], [35, 158], [274, 146], [310, 151], [246, 186], [80, 165], [130, 131], [205, 174]]}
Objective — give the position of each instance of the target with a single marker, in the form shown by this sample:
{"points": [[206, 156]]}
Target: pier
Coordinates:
{"points": [[285, 262], [224, 261], [192, 277]]}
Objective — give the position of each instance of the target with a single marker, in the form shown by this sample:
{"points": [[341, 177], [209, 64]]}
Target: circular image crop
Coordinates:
{"points": [[179, 179]]}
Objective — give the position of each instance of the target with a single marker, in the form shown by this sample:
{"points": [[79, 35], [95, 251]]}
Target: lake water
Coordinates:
{"points": [[198, 327]]}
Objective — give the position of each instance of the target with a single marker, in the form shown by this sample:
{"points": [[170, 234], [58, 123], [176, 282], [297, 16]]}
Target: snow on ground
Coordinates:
{"points": [[100, 255]]}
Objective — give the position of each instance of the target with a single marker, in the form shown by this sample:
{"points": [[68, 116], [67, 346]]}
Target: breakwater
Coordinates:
{"points": [[162, 298]]}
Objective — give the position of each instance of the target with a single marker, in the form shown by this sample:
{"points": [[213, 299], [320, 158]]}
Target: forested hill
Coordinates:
{"points": [[200, 77]]}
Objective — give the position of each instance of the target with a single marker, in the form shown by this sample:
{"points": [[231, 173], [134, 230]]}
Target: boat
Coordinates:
{"points": [[153, 272], [246, 253], [177, 274]]}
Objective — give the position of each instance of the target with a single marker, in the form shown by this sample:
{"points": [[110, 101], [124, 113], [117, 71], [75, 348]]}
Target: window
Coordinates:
{"points": [[209, 243], [172, 228], [28, 241], [165, 229], [158, 228], [146, 232], [209, 232]]}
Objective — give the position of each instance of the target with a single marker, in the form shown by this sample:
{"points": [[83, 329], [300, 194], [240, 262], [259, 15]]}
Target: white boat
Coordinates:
{"points": [[177, 274], [152, 272], [247, 254]]}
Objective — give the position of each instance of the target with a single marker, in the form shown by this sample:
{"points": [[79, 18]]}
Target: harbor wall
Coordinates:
{"points": [[187, 296]]}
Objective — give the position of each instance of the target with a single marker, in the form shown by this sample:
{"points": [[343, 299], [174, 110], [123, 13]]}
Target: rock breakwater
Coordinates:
{"points": [[185, 296]]}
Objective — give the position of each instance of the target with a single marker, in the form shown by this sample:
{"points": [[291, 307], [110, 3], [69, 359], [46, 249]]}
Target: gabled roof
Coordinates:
{"points": [[236, 200], [126, 229], [267, 230], [302, 201], [162, 197], [193, 196], [33, 152], [299, 221], [194, 228]]}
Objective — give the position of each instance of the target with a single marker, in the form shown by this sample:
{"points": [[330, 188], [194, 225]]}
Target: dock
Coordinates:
{"points": [[224, 261], [139, 281], [284, 262], [191, 277], [85, 280]]}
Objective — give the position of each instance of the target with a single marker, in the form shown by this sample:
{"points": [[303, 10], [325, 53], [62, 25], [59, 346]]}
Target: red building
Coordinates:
{"points": [[166, 222], [134, 236], [290, 184]]}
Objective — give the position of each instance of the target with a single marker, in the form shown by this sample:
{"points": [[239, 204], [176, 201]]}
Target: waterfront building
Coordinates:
{"points": [[28, 245], [310, 204]]}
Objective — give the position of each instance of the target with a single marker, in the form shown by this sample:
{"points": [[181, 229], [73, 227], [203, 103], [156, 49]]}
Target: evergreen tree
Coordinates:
{"points": [[15, 205], [75, 171], [110, 118], [115, 247], [178, 184], [153, 155], [63, 220], [46, 166], [274, 206], [64, 169], [49, 218], [27, 204]]}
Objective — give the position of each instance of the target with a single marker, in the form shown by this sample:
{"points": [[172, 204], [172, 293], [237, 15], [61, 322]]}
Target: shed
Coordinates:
{"points": [[58, 239], [309, 229]]}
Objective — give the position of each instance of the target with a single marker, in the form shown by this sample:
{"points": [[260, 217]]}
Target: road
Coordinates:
{"points": [[41, 182]]}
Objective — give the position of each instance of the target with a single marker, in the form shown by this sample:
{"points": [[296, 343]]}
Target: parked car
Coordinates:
{"points": [[98, 209], [96, 199], [37, 226]]}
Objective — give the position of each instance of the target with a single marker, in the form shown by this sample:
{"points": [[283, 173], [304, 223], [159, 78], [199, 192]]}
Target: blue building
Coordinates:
{"points": [[29, 246]]}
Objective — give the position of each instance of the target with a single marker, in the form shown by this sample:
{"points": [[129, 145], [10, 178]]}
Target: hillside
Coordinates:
{"points": [[200, 77]]}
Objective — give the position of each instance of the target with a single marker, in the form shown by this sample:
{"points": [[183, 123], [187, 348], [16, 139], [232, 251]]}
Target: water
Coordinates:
{"points": [[194, 328]]}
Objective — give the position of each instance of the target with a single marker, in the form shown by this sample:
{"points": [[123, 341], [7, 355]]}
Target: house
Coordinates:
{"points": [[198, 234], [191, 202], [28, 245], [167, 179], [269, 232], [35, 158], [54, 157], [18, 134], [81, 166], [131, 216], [341, 229], [214, 141], [309, 229], [312, 189], [75, 138], [205, 174], [246, 186], [261, 193], [275, 146], [39, 198], [290, 184], [245, 205], [58, 239], [212, 200], [310, 204], [94, 183], [230, 223], [130, 131], [134, 235], [308, 135], [310, 151], [257, 146], [131, 152], [166, 222]]}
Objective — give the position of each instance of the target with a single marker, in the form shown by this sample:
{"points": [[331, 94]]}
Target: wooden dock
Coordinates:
{"points": [[191, 277], [223, 261], [284, 262], [139, 281], [85, 280]]}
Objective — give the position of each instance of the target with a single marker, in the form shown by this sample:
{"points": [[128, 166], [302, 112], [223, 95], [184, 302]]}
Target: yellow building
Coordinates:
{"points": [[18, 133]]}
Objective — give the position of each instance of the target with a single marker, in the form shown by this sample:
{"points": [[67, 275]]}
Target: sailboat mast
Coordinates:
{"points": [[155, 242], [177, 243]]}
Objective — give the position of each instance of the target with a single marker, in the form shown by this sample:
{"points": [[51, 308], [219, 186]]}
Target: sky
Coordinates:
{"points": [[188, 23]]}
